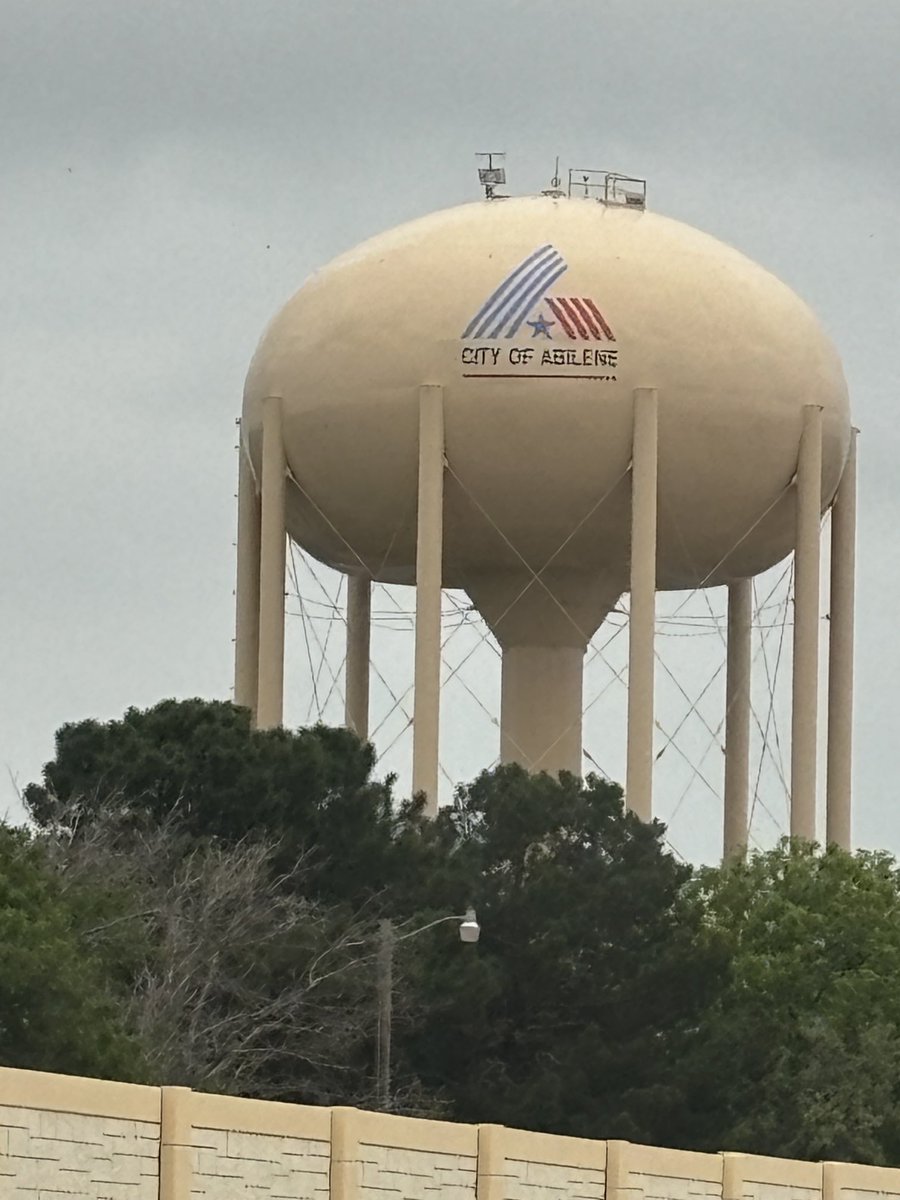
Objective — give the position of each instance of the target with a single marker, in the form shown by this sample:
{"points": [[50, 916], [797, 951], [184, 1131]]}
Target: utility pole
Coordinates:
{"points": [[385, 988]]}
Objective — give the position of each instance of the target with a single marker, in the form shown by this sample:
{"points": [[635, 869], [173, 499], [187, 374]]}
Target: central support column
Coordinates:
{"points": [[840, 656], [541, 707], [543, 622], [429, 565], [737, 718], [359, 613], [804, 716], [271, 569], [642, 619], [246, 630]]}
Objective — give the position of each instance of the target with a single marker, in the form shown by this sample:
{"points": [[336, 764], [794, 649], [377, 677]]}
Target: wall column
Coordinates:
{"points": [[246, 630], [804, 716], [840, 656], [734, 1167], [175, 1144], [429, 566], [271, 570], [346, 1164], [737, 718], [617, 1154], [490, 1174], [642, 619], [356, 687]]}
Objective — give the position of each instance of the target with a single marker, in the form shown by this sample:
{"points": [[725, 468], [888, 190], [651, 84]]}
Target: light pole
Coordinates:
{"points": [[469, 932]]}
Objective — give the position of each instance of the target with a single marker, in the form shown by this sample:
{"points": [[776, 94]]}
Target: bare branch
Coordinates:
{"points": [[248, 985]]}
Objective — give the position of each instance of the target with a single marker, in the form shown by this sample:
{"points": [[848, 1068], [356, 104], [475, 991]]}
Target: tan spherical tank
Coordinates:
{"points": [[536, 439], [539, 323]]}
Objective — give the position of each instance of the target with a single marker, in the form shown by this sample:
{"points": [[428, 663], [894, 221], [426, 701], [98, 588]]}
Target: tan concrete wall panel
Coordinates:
{"points": [[230, 1164], [554, 1148], [754, 1190], [672, 1187], [395, 1173], [86, 1157], [405, 1159], [850, 1181], [552, 1181], [655, 1173], [756, 1177], [516, 1165]]}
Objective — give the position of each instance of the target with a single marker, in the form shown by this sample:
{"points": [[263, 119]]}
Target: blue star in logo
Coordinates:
{"points": [[541, 325]]}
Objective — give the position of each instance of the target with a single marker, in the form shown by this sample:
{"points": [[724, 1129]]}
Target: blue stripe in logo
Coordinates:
{"points": [[511, 302], [510, 307], [487, 307], [515, 290], [535, 295]]}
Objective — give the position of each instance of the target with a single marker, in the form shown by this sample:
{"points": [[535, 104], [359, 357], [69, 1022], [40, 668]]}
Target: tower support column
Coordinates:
{"points": [[642, 619], [359, 619], [271, 570], [737, 718], [840, 656], [246, 631], [429, 569], [804, 716]]}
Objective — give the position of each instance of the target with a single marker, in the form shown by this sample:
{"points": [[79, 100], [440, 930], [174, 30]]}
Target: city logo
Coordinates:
{"points": [[523, 305]]}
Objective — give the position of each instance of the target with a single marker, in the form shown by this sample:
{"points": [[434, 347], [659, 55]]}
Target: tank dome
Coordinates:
{"points": [[539, 317]]}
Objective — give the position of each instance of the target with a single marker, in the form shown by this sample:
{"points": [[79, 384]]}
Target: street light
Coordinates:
{"points": [[469, 932]]}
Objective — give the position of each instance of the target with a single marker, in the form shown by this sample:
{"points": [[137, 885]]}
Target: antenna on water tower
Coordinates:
{"points": [[492, 175], [554, 189]]}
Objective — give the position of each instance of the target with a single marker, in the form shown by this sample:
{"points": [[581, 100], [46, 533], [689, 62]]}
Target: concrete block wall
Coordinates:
{"points": [[398, 1158], [652, 1173], [752, 1177], [850, 1181], [514, 1165], [63, 1138], [77, 1139], [259, 1149]]}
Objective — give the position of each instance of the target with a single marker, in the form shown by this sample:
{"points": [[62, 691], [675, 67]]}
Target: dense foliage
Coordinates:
{"points": [[809, 1023], [56, 1010], [197, 904], [200, 761], [592, 971]]}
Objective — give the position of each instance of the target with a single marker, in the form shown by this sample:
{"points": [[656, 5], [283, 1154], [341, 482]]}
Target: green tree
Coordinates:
{"points": [[801, 1051], [591, 974], [309, 791], [235, 879], [57, 1012], [571, 1013]]}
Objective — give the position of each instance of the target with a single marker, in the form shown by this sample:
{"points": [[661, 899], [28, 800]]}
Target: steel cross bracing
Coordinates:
{"points": [[459, 615]]}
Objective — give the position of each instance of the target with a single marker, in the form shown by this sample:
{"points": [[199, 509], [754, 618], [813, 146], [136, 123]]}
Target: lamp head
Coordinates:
{"points": [[469, 929]]}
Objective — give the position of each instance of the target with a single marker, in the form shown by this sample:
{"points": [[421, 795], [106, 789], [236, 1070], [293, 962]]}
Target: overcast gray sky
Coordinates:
{"points": [[173, 171]]}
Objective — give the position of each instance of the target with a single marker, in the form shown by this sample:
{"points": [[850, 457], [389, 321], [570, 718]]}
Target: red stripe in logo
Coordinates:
{"points": [[557, 311], [572, 313], [587, 318], [600, 321]]}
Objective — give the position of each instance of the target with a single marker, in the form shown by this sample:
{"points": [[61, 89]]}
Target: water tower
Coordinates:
{"points": [[550, 401]]}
